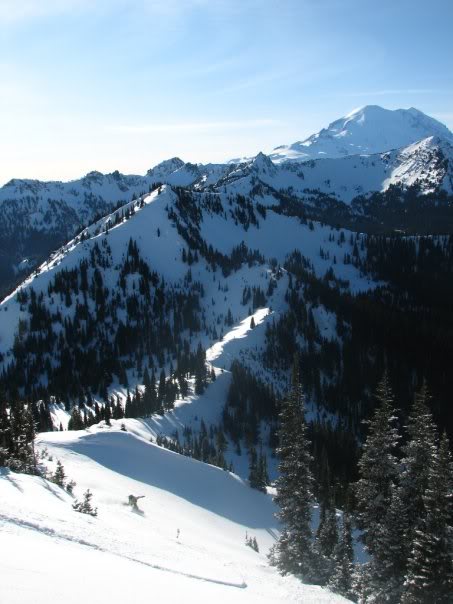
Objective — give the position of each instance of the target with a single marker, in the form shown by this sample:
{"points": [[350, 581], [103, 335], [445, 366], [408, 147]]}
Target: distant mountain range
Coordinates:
{"points": [[333, 174]]}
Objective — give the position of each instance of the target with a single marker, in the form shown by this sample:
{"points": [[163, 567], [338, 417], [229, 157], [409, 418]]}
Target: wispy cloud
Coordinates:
{"points": [[257, 81], [191, 126]]}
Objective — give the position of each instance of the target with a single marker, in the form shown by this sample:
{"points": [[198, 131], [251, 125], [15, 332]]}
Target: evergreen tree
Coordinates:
{"points": [[59, 475], [107, 414], [162, 388], [378, 468], [327, 535], [253, 469], [262, 471], [85, 506], [293, 551], [325, 542], [5, 433], [75, 421], [340, 580], [258, 477], [21, 455], [388, 567], [430, 566], [418, 456]]}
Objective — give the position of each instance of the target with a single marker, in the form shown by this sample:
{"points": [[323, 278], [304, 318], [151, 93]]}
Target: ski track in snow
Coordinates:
{"points": [[59, 535]]}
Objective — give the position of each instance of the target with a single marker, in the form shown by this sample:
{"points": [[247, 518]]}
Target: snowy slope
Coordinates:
{"points": [[186, 544], [80, 200], [367, 130], [275, 237], [97, 192], [39, 216], [428, 162]]}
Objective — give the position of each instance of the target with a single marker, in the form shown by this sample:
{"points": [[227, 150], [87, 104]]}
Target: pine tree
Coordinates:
{"points": [[293, 551], [418, 455], [253, 469], [328, 533], [5, 433], [70, 486], [85, 506], [378, 468], [162, 388], [107, 414], [59, 475], [390, 559], [430, 566], [258, 477], [343, 562], [75, 421], [21, 455], [262, 471], [325, 542]]}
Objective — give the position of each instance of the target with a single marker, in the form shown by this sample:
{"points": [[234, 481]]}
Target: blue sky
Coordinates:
{"points": [[124, 84]]}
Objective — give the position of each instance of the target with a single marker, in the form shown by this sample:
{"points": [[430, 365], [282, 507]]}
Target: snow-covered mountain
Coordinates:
{"points": [[133, 261], [367, 130], [427, 164], [198, 252], [39, 216], [356, 156]]}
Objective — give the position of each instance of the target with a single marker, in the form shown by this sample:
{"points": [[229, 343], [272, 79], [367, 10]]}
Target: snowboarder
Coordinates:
{"points": [[133, 501]]}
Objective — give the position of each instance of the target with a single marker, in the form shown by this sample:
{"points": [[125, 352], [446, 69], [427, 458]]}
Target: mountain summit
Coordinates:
{"points": [[370, 129]]}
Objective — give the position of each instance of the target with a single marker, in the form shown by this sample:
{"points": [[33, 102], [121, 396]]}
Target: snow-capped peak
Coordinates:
{"points": [[166, 167], [263, 163], [364, 131]]}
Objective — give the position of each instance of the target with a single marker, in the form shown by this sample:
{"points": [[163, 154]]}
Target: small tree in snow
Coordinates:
{"points": [[59, 476], [85, 507]]}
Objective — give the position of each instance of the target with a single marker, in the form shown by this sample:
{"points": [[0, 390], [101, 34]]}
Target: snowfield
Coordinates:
{"points": [[366, 130], [187, 543]]}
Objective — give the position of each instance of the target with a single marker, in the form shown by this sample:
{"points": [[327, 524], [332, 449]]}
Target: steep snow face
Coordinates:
{"points": [[186, 542], [370, 129], [428, 163]]}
